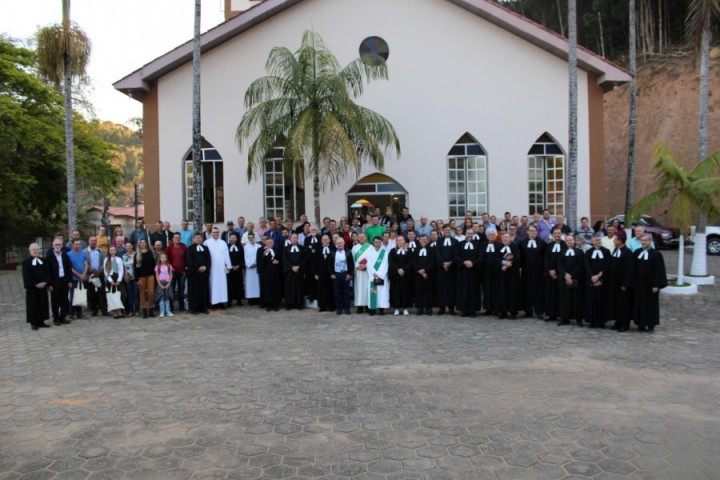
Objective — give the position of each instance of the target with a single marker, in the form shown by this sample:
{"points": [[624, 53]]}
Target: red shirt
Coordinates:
{"points": [[176, 257]]}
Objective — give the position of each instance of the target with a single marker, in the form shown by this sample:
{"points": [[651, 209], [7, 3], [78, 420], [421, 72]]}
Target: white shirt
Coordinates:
{"points": [[61, 270]]}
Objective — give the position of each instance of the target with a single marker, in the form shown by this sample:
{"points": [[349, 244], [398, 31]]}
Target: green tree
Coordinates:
{"points": [[32, 160], [306, 104], [63, 55], [687, 193]]}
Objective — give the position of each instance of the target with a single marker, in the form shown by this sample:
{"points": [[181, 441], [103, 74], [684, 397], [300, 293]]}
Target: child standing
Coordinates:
{"points": [[163, 276]]}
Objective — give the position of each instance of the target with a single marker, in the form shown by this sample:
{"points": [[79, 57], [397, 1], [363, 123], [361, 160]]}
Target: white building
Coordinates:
{"points": [[478, 95]]}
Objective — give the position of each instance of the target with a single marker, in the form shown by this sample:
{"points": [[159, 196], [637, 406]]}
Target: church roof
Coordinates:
{"points": [[609, 74]]}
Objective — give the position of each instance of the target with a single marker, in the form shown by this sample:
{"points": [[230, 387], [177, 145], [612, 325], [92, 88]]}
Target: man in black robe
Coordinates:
{"points": [[35, 280], [294, 271], [619, 284], [400, 261], [532, 251], [597, 260], [492, 261], [509, 283], [198, 272], [423, 268], [323, 261], [60, 271], [468, 260], [650, 278], [554, 252], [312, 247], [270, 270], [571, 270], [446, 272], [236, 274]]}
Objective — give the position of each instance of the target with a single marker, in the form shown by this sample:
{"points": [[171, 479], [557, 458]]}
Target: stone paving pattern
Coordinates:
{"points": [[243, 394]]}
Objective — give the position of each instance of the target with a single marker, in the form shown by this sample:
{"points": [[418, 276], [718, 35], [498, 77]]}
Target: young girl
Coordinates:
{"points": [[114, 276], [163, 277]]}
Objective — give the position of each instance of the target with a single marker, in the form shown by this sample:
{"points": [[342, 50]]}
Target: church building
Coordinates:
{"points": [[477, 93]]}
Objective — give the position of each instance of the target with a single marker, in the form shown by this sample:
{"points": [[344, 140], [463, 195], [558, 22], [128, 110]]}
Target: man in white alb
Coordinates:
{"points": [[221, 265], [361, 285]]}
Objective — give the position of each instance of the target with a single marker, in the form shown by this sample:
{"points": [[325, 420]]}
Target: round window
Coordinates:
{"points": [[374, 50]]}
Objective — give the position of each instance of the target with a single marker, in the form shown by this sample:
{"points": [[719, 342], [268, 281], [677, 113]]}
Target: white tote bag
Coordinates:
{"points": [[114, 299], [80, 296]]}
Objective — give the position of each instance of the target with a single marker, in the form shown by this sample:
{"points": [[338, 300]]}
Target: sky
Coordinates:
{"points": [[125, 34]]}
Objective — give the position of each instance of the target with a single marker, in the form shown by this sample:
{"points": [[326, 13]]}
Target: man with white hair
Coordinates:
{"points": [[35, 279], [361, 285]]}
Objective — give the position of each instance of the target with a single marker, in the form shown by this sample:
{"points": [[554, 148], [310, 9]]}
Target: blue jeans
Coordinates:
{"points": [[133, 298], [342, 291], [179, 282]]}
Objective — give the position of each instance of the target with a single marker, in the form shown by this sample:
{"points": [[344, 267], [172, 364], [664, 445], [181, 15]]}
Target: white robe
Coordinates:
{"points": [[252, 279], [361, 284], [219, 266], [383, 291]]}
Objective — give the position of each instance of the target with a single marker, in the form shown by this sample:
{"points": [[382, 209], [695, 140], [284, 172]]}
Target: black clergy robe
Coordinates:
{"points": [[401, 287], [424, 262], [294, 256], [235, 277], [198, 282], [533, 280], [36, 299], [492, 261], [509, 281], [571, 294], [649, 274], [269, 268], [312, 246], [467, 287], [553, 253], [620, 278], [445, 278], [324, 264], [596, 294]]}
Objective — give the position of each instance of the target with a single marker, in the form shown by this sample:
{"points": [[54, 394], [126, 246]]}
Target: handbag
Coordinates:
{"points": [[79, 296], [114, 299]]}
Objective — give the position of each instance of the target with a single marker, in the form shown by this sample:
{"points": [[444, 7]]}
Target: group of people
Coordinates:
{"points": [[372, 262]]}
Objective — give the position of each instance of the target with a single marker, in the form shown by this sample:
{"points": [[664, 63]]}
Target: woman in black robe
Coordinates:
{"points": [[198, 275], [620, 283], [294, 271], [270, 270], [236, 275], [312, 246], [532, 251], [401, 277], [597, 261], [423, 269], [324, 261], [491, 263], [509, 281], [468, 260], [554, 252], [650, 278], [36, 278], [571, 271]]}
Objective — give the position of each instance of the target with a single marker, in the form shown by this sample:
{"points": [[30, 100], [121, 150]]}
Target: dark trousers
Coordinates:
{"points": [[178, 281], [59, 299], [342, 291], [97, 302]]}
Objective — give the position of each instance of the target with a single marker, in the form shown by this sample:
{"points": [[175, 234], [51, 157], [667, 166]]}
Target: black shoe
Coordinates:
{"points": [[428, 312], [359, 310], [419, 311], [551, 319], [338, 311], [560, 324], [451, 311], [145, 313], [151, 312], [94, 314], [65, 321], [35, 327], [57, 324], [464, 314], [651, 328], [622, 329], [382, 311], [441, 311], [347, 311], [371, 312], [43, 325], [592, 325], [541, 316], [616, 326], [528, 315]]}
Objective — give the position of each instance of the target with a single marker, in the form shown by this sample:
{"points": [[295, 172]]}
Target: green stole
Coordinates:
{"points": [[361, 251], [373, 286]]}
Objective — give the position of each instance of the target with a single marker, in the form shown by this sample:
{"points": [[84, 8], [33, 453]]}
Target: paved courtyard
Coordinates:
{"points": [[243, 394]]}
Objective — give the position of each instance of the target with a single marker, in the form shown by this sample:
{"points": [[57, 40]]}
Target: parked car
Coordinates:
{"points": [[663, 236], [713, 238]]}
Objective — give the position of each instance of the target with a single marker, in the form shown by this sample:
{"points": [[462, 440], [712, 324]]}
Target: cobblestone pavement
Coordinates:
{"points": [[243, 394]]}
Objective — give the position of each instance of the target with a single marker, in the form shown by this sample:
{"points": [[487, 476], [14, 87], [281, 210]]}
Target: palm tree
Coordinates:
{"points": [[305, 104], [688, 193], [632, 41], [571, 211], [63, 55], [698, 29], [196, 138]]}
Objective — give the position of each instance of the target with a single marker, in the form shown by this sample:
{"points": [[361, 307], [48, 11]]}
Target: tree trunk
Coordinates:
{"points": [[69, 142], [571, 201], [316, 176], [196, 138], [602, 35], [560, 18], [699, 260], [681, 261], [629, 190]]}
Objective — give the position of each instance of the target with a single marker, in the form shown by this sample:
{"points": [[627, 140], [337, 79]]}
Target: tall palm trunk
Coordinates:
{"points": [[629, 191], [699, 260], [69, 143], [196, 139], [571, 209], [316, 175]]}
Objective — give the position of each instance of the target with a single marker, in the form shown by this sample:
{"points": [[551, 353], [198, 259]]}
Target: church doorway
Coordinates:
{"points": [[377, 190]]}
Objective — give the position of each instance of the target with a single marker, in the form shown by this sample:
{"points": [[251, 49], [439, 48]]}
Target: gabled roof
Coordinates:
{"points": [[609, 74]]}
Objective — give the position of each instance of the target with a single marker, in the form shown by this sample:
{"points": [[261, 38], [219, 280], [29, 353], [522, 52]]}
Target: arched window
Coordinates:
{"points": [[546, 168], [467, 177], [213, 193], [284, 188]]}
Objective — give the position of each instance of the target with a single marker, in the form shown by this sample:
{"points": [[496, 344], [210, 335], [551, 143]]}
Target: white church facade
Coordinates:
{"points": [[477, 94]]}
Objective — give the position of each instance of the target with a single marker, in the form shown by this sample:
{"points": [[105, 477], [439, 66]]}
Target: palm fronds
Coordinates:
{"points": [[57, 46]]}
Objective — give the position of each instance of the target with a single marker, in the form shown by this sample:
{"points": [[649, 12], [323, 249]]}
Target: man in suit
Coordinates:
{"points": [[60, 270], [96, 295], [342, 268]]}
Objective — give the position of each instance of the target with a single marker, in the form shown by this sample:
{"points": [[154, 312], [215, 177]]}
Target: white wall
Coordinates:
{"points": [[450, 72]]}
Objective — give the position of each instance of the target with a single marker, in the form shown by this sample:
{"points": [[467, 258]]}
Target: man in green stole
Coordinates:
{"points": [[378, 281], [361, 285]]}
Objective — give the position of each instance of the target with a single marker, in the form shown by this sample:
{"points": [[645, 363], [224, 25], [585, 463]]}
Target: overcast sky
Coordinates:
{"points": [[126, 34]]}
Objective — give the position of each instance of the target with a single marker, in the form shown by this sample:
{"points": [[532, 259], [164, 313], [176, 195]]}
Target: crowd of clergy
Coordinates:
{"points": [[519, 266]]}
